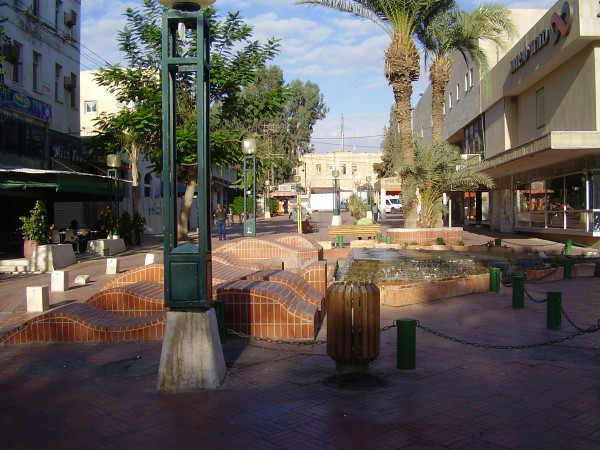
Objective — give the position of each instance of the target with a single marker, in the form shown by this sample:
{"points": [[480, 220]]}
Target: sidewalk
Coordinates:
{"points": [[461, 396]]}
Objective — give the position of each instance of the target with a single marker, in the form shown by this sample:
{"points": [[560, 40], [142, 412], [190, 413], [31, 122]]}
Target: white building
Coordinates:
{"points": [[535, 125]]}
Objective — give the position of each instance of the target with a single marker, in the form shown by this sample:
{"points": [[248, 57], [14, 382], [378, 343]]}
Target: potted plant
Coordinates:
{"points": [[109, 222], [138, 225], [35, 229]]}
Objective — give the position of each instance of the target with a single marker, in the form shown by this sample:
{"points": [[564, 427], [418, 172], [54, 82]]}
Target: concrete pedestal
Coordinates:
{"points": [[59, 281], [112, 266], [149, 259], [192, 356], [38, 299], [336, 220]]}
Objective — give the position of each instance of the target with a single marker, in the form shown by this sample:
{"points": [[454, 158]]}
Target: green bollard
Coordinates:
{"points": [[568, 247], [439, 241], [407, 344], [568, 266], [379, 238], [340, 243], [388, 239], [518, 293], [553, 311], [219, 307], [498, 242], [495, 279]]}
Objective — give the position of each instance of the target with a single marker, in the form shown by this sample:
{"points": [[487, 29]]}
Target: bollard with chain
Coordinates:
{"points": [[407, 344], [518, 293], [568, 267], [340, 243], [495, 279], [568, 247], [553, 311]]}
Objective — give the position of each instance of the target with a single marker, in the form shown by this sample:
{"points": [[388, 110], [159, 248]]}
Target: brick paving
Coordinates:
{"points": [[103, 395]]}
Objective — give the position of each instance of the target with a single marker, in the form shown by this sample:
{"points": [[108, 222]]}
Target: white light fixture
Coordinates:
{"points": [[187, 5], [267, 183], [113, 160], [249, 146], [335, 173]]}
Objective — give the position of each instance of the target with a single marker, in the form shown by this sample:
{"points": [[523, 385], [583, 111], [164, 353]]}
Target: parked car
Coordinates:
{"points": [[392, 205]]}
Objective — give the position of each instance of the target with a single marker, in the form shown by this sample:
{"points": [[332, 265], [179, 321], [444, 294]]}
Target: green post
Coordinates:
{"points": [[407, 344], [553, 311], [498, 242], [518, 293], [379, 238], [495, 279], [439, 241], [568, 247], [388, 239], [568, 266], [219, 307], [340, 243]]}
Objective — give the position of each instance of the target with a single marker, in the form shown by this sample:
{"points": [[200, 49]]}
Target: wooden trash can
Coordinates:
{"points": [[353, 325]]}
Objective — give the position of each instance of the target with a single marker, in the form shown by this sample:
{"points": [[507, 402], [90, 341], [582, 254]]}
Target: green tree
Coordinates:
{"points": [[390, 146], [401, 20], [437, 168], [3, 41], [460, 31]]}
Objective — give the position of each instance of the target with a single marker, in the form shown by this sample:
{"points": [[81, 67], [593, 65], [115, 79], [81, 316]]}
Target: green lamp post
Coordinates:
{"points": [[192, 356], [249, 150]]}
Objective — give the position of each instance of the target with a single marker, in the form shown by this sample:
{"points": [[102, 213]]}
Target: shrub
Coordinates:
{"points": [[35, 226]]}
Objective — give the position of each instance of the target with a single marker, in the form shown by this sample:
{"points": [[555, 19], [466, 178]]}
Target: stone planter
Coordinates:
{"points": [[583, 270], [46, 258], [501, 250], [28, 247], [545, 274], [460, 248]]}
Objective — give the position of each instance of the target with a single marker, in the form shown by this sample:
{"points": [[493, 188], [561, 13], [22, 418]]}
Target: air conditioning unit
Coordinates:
{"points": [[70, 18], [466, 156], [70, 83]]}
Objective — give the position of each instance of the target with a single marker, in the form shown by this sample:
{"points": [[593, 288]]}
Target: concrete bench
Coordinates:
{"points": [[360, 231]]}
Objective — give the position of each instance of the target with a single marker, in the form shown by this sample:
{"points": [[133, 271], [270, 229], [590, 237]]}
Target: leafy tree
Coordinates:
{"points": [[460, 31], [400, 19], [437, 168], [4, 40], [358, 207]]}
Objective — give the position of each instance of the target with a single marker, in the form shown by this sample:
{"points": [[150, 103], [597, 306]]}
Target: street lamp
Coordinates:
{"points": [[113, 162], [297, 180], [267, 198], [336, 218], [249, 149], [369, 198], [186, 365]]}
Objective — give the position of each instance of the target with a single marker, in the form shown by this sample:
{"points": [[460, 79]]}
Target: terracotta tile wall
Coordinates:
{"points": [[452, 235]]}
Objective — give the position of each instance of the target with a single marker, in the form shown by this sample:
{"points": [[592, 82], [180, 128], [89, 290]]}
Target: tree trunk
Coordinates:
{"points": [[439, 75], [135, 178], [402, 68], [183, 221]]}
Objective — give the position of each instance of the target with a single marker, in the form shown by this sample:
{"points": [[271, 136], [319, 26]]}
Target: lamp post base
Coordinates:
{"points": [[192, 357], [336, 220], [267, 214]]}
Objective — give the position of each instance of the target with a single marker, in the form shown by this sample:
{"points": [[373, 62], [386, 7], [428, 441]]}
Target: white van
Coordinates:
{"points": [[392, 205]]}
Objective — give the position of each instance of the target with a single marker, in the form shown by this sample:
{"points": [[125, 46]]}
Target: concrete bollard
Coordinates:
{"points": [[553, 310], [38, 299], [340, 241], [149, 259], [406, 357], [112, 266], [59, 281], [518, 293]]}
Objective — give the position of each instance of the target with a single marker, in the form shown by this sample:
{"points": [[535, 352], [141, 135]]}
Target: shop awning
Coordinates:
{"points": [[58, 181]]}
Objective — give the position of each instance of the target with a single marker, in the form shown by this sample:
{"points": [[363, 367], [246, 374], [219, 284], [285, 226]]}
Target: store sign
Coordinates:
{"points": [[560, 24], [27, 105], [284, 188]]}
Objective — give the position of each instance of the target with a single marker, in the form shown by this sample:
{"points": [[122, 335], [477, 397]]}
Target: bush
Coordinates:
{"points": [[358, 207], [35, 226]]}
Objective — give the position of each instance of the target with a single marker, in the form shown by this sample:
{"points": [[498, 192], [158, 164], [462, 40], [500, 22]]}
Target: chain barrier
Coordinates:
{"points": [[276, 341], [571, 322], [591, 329], [530, 245], [533, 299]]}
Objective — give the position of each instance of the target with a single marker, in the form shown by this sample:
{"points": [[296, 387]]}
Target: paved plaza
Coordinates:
{"points": [[481, 380]]}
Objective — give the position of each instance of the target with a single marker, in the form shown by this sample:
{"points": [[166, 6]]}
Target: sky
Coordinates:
{"points": [[342, 54]]}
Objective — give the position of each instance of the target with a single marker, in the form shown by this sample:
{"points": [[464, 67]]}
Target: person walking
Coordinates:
{"points": [[375, 210], [221, 217]]}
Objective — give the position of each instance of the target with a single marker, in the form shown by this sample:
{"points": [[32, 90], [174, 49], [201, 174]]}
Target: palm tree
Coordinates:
{"points": [[437, 168], [460, 31], [400, 19]]}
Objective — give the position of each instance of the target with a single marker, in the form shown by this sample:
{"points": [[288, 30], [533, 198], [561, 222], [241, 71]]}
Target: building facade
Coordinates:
{"points": [[40, 145], [534, 122]]}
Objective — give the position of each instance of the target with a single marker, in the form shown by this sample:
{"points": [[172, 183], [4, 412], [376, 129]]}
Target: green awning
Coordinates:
{"points": [[58, 181]]}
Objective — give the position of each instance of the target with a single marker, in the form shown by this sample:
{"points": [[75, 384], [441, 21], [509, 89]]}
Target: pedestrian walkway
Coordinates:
{"points": [[486, 384]]}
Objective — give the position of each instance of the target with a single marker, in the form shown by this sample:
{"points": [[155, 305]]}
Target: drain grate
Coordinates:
{"points": [[131, 368], [49, 366], [571, 354]]}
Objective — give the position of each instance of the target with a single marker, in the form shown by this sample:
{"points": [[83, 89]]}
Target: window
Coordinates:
{"points": [[318, 168], [35, 7], [329, 169], [17, 62], [450, 101], [354, 169], [343, 169], [36, 64], [147, 185], [470, 78], [57, 81], [466, 82], [457, 92], [73, 91], [57, 9], [540, 106], [90, 107]]}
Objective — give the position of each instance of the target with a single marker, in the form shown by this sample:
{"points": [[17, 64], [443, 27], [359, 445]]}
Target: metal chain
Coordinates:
{"points": [[533, 299], [591, 329], [276, 341], [528, 245], [571, 322]]}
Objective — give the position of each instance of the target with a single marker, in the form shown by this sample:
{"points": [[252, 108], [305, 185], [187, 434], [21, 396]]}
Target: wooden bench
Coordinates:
{"points": [[359, 231]]}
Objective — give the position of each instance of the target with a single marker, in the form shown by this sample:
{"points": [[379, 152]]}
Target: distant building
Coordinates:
{"points": [[535, 125]]}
